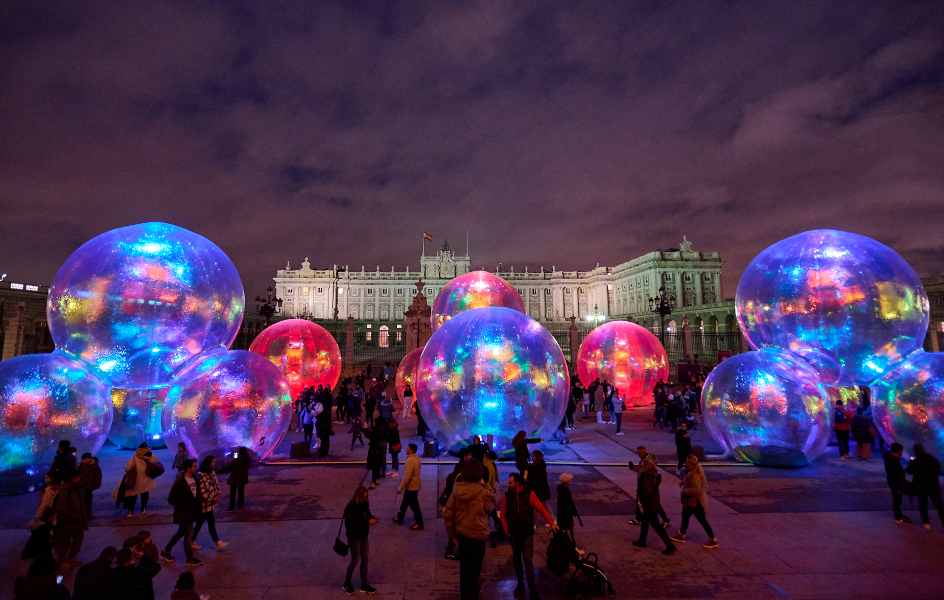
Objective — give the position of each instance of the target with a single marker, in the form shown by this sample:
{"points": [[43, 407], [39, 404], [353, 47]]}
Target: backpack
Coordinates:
{"points": [[840, 416], [447, 491]]}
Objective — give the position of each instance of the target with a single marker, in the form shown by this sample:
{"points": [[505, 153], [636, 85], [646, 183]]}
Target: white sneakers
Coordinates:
{"points": [[220, 544]]}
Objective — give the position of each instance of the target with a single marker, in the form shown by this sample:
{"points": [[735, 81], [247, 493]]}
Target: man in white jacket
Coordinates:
{"points": [[410, 488]]}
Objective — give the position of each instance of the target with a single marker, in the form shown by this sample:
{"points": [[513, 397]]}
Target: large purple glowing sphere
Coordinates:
{"points": [[305, 352], [768, 407], [626, 355], [908, 403], [847, 304], [476, 289], [45, 398], [224, 399], [491, 371], [137, 302]]}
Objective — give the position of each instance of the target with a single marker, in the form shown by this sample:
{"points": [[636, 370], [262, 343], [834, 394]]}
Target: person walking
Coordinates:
{"points": [[647, 497], [517, 517], [618, 407], [841, 425], [925, 469], [91, 480], [357, 520], [238, 478], [566, 509], [393, 442], [357, 432], [185, 498], [466, 518], [180, 457], [861, 429], [520, 444], [895, 475], [410, 488], [375, 452], [561, 434], [683, 446], [209, 498], [136, 480], [694, 501], [536, 477], [70, 520], [644, 454]]}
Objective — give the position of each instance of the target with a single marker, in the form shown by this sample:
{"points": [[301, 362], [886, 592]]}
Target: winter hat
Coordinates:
{"points": [[566, 477]]}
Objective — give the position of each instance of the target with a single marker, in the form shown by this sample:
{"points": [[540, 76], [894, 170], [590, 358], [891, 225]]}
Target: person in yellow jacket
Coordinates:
{"points": [[466, 518], [410, 488]]}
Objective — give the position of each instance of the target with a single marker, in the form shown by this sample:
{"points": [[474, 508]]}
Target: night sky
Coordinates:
{"points": [[554, 133]]}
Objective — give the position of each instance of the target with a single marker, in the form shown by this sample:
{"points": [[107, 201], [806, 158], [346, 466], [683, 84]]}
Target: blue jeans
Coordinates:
{"points": [[562, 431], [395, 460], [359, 554]]}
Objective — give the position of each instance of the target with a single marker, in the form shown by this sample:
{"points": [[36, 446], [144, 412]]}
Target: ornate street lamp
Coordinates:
{"points": [[268, 306], [662, 305], [596, 317]]}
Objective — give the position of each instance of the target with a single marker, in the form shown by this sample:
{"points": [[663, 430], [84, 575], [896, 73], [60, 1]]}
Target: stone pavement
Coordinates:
{"points": [[824, 531]]}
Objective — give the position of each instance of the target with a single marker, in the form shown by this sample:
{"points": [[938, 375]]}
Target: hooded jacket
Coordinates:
{"points": [[70, 510], [139, 463], [693, 489], [466, 512], [187, 505], [91, 475]]}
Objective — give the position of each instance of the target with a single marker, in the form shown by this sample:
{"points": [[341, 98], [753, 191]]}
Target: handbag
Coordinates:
{"points": [[154, 471], [340, 547], [396, 447]]}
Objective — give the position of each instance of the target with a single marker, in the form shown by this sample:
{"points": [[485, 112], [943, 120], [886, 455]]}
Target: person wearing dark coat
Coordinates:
{"points": [[683, 446], [862, 434], [238, 478], [520, 443], [393, 440], [925, 470], [566, 509], [130, 582], [357, 520], [647, 496], [185, 497], [537, 480], [64, 462], [40, 582], [70, 520], [323, 429], [377, 437], [895, 475], [89, 579]]}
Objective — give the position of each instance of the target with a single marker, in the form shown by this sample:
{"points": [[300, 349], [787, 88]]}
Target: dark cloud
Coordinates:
{"points": [[564, 134]]}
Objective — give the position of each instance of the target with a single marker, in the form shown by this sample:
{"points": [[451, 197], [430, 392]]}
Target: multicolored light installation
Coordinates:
{"points": [[491, 371], [908, 403], [305, 352], [846, 303], [406, 372], [45, 398], [475, 289], [626, 355], [137, 302], [768, 407], [225, 399], [137, 417]]}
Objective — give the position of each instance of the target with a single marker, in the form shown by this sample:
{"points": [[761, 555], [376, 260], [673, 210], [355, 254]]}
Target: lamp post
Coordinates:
{"points": [[596, 317], [662, 305], [268, 306]]}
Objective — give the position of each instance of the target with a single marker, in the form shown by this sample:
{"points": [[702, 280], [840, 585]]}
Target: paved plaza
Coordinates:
{"points": [[824, 531]]}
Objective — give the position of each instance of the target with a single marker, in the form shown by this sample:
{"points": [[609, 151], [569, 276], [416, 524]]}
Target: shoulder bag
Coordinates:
{"points": [[340, 547]]}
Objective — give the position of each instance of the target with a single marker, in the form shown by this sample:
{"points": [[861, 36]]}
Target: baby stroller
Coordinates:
{"points": [[586, 578]]}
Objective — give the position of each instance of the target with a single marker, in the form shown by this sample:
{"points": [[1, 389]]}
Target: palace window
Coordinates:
{"points": [[519, 292], [304, 290], [688, 277], [289, 291], [668, 277], [547, 291], [707, 276], [384, 341], [940, 300], [320, 290], [533, 292], [370, 291], [355, 292], [399, 291], [566, 290], [384, 292]]}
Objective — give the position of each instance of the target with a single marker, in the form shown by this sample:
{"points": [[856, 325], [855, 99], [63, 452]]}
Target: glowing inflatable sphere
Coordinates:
{"points": [[305, 353], [137, 302], [225, 399], [45, 398], [768, 407], [406, 372], [491, 371], [847, 304], [137, 417], [476, 289], [626, 355], [908, 403]]}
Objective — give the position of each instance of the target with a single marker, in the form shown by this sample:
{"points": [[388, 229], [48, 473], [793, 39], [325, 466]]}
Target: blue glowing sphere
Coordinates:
{"points": [[768, 407], [491, 371], [45, 398], [224, 399], [137, 417], [847, 304], [137, 302], [908, 403]]}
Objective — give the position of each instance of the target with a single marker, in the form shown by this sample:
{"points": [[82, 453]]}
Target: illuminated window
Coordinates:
{"points": [[16, 286], [32, 288], [304, 290], [384, 341], [399, 336]]}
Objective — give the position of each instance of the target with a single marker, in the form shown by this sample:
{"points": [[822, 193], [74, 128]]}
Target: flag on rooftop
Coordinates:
{"points": [[426, 236]]}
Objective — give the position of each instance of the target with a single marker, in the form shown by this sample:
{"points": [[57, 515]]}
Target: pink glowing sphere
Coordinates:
{"points": [[476, 289], [626, 355], [406, 372], [305, 352]]}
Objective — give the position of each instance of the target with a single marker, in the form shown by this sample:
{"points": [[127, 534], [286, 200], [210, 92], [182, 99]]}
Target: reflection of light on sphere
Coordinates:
{"points": [[908, 403], [45, 398], [137, 302], [305, 353], [626, 355], [475, 289], [767, 407], [406, 372], [137, 417], [226, 399], [491, 371], [832, 296]]}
